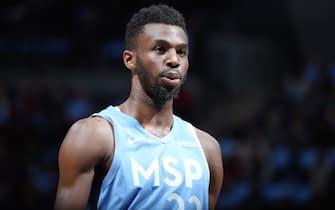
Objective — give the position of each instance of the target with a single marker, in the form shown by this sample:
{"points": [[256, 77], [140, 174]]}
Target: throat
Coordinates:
{"points": [[159, 131]]}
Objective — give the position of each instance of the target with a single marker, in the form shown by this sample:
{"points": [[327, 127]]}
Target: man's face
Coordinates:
{"points": [[162, 61]]}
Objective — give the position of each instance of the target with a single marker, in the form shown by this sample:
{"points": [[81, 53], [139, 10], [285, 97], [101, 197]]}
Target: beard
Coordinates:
{"points": [[156, 92]]}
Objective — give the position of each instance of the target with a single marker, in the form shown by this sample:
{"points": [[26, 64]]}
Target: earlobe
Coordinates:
{"points": [[129, 59]]}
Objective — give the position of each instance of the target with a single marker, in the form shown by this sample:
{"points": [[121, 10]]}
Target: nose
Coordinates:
{"points": [[172, 58]]}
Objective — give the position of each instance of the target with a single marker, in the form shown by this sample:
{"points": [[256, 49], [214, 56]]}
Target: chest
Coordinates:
{"points": [[174, 163]]}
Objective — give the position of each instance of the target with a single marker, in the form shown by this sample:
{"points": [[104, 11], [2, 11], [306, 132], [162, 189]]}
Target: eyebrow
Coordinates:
{"points": [[164, 42]]}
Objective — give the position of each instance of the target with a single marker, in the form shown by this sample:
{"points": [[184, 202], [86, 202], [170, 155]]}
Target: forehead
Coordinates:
{"points": [[157, 31]]}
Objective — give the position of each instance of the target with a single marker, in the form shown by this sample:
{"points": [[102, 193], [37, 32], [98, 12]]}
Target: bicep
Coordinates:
{"points": [[212, 151], [216, 174], [75, 195], [75, 178], [78, 156]]}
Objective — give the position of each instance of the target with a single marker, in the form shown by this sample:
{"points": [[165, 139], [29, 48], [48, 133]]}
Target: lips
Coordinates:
{"points": [[172, 75], [171, 78]]}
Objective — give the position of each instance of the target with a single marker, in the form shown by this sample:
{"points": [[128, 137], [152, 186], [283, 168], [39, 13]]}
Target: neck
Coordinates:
{"points": [[155, 119]]}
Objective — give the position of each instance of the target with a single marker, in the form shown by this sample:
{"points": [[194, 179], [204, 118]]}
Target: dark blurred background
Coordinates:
{"points": [[261, 80]]}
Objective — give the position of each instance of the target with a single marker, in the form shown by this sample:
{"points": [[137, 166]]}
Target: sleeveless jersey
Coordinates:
{"points": [[149, 172]]}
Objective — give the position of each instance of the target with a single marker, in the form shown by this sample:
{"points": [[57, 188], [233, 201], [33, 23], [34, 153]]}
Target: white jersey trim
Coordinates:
{"points": [[201, 149]]}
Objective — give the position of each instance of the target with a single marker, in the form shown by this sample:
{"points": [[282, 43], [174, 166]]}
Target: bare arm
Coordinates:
{"points": [[87, 143], [212, 151]]}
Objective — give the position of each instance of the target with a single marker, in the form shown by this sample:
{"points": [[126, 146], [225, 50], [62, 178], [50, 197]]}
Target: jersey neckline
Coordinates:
{"points": [[163, 139]]}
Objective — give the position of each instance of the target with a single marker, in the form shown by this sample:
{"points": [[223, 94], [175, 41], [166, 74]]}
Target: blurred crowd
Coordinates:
{"points": [[283, 157], [33, 120]]}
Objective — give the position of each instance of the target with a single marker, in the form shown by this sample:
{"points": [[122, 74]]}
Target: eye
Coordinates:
{"points": [[182, 52], [159, 49]]}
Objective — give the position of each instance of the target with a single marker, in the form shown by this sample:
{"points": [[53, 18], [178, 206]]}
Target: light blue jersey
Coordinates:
{"points": [[155, 173]]}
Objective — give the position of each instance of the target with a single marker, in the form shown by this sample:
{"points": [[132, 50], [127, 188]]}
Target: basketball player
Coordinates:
{"points": [[149, 157]]}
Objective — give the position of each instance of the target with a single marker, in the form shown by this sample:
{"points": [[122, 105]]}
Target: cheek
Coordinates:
{"points": [[153, 60], [185, 66], [154, 68]]}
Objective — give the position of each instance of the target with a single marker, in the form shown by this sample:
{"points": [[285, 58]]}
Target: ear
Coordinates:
{"points": [[129, 59]]}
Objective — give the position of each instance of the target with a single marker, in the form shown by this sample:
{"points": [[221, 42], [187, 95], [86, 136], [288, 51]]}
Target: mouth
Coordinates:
{"points": [[172, 75], [171, 78]]}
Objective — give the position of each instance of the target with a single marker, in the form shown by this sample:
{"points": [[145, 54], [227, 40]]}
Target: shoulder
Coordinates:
{"points": [[211, 148], [89, 137], [208, 142], [90, 129], [91, 125]]}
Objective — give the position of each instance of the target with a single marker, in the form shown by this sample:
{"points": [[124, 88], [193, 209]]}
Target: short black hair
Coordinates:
{"points": [[157, 13]]}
